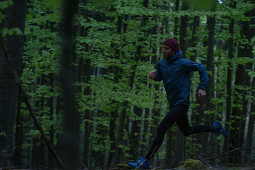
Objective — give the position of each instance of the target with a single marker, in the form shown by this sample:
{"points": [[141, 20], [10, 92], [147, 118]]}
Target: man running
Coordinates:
{"points": [[175, 70]]}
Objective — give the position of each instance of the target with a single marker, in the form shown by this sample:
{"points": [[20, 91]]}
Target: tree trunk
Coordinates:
{"points": [[250, 132], [93, 155], [87, 115], [209, 145], [229, 81], [52, 105], [180, 141], [144, 145], [122, 118], [115, 104], [155, 116], [87, 71], [36, 152], [70, 138], [136, 124], [237, 118], [38, 145], [15, 18], [176, 19], [183, 29], [19, 134], [170, 160], [210, 60], [194, 37], [135, 133], [198, 111]]}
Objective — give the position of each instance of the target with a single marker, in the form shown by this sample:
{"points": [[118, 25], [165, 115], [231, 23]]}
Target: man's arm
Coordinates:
{"points": [[189, 65]]}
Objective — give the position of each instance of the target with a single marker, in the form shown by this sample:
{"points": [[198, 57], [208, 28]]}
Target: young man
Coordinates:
{"points": [[175, 70]]}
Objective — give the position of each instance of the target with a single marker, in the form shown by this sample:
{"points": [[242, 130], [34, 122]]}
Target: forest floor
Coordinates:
{"points": [[189, 164], [129, 168]]}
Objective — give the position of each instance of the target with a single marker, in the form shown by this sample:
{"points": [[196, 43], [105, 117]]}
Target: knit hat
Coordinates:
{"points": [[172, 43]]}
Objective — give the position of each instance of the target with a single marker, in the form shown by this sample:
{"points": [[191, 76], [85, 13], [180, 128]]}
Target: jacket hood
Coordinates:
{"points": [[175, 57]]}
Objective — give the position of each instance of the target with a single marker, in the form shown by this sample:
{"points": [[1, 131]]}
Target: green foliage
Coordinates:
{"points": [[5, 4], [209, 5], [3, 134], [10, 32]]}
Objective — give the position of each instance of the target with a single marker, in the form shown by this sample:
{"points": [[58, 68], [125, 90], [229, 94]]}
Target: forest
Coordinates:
{"points": [[75, 92]]}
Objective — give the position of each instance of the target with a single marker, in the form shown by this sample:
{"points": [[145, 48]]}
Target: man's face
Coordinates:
{"points": [[167, 52]]}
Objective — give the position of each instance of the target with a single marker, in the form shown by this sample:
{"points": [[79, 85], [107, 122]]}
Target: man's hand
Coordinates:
{"points": [[152, 75], [201, 93]]}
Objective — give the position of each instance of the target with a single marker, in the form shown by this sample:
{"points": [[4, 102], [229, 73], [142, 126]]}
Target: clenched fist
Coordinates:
{"points": [[201, 93], [152, 75]]}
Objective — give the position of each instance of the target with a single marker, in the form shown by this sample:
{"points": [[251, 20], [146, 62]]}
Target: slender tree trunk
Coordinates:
{"points": [[136, 124], [210, 60], [229, 81], [176, 19], [170, 160], [155, 113], [52, 106], [210, 145], [155, 117], [87, 71], [196, 113], [144, 145], [70, 138], [135, 133], [183, 29], [122, 117], [93, 155], [37, 148], [87, 116], [180, 142], [194, 37], [250, 132], [19, 134], [8, 88], [36, 153], [237, 112], [115, 104]]}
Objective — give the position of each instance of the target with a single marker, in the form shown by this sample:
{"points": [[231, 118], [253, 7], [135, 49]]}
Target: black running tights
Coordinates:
{"points": [[178, 114]]}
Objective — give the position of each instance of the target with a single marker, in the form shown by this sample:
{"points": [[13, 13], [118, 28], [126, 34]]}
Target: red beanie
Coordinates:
{"points": [[172, 43]]}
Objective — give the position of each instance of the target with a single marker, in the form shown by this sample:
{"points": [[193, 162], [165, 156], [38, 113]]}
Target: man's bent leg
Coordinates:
{"points": [[168, 121], [183, 124]]}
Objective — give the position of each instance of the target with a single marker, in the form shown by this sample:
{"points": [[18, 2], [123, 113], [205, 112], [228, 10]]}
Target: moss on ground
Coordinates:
{"points": [[192, 164]]}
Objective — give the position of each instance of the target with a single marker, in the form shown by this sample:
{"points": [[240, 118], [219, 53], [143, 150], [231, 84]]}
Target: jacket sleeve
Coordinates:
{"points": [[158, 74], [193, 66]]}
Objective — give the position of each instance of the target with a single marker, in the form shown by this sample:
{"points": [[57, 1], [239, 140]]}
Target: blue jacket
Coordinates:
{"points": [[175, 73]]}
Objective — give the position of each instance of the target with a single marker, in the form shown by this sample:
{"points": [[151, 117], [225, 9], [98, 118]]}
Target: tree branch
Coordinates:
{"points": [[226, 153], [32, 114]]}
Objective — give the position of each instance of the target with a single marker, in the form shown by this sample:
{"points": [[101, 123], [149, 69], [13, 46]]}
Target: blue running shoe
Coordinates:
{"points": [[141, 163], [219, 129]]}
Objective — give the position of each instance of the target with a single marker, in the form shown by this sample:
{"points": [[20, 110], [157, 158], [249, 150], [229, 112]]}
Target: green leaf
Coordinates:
{"points": [[5, 4], [2, 134], [12, 31], [243, 60]]}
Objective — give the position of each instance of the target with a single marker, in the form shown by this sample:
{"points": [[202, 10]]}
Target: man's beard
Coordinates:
{"points": [[167, 57]]}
